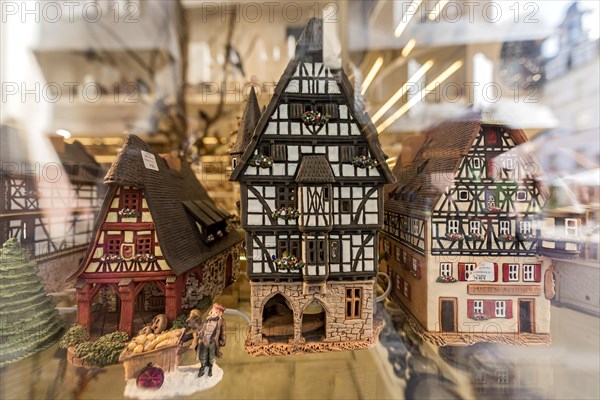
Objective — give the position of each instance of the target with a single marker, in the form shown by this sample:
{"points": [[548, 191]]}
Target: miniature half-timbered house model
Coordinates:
{"points": [[311, 176], [49, 207], [160, 243], [461, 233]]}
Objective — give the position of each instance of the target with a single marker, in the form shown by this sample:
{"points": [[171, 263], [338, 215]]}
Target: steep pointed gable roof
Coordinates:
{"points": [[314, 169], [248, 122], [165, 191], [309, 48], [422, 182]]}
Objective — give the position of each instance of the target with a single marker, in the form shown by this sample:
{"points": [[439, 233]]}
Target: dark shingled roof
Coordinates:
{"points": [[422, 182], [310, 43], [314, 169], [248, 122], [166, 191], [310, 48]]}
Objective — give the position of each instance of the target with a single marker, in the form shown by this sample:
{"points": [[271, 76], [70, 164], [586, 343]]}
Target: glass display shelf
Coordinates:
{"points": [[399, 366]]}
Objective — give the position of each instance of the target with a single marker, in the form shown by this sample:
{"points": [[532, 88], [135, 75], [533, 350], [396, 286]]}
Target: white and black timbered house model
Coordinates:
{"points": [[311, 173], [460, 238]]}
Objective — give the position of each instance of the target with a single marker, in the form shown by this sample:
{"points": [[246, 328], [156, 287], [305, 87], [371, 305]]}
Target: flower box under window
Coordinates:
{"points": [[364, 162], [454, 236], [129, 213], [261, 161], [289, 263], [475, 237], [111, 258], [445, 279], [314, 118], [506, 238], [286, 213]]}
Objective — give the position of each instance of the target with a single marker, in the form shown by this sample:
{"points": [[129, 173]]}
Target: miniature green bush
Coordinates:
{"points": [[179, 322], [75, 335], [104, 351]]}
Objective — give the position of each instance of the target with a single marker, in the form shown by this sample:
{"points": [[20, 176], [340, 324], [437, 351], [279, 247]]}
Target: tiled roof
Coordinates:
{"points": [[314, 169], [248, 122], [421, 182], [165, 191]]}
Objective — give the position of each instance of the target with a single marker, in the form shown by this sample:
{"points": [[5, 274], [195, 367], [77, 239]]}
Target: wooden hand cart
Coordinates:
{"points": [[149, 368]]}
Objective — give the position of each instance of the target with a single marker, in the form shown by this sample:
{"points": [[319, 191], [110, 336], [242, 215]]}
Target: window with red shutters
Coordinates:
{"points": [[465, 270], [131, 199], [532, 272], [112, 244], [509, 309], [489, 308], [143, 244], [470, 308], [537, 273]]}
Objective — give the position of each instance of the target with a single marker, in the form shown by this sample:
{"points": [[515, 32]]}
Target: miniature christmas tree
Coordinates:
{"points": [[29, 321]]}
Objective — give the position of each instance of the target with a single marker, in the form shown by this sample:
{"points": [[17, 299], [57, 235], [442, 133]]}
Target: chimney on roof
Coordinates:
{"points": [[58, 142], [172, 160]]}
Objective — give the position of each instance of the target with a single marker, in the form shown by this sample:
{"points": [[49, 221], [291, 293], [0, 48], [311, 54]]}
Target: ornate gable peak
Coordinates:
{"points": [[310, 44], [248, 123]]}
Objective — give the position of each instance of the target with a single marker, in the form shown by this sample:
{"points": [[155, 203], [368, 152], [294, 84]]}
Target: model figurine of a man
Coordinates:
{"points": [[209, 336]]}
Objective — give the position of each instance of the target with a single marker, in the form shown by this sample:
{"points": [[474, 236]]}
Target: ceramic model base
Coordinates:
{"points": [[469, 338], [184, 381], [284, 349]]}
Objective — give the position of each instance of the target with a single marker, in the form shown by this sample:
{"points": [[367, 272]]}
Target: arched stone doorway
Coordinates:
{"points": [[277, 320], [314, 322]]}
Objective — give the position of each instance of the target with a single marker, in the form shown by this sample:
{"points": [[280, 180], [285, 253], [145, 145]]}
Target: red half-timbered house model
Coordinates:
{"points": [[160, 243], [460, 238], [311, 175]]}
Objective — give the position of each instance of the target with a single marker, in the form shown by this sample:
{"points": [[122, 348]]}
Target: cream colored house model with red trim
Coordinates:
{"points": [[460, 239], [160, 243]]}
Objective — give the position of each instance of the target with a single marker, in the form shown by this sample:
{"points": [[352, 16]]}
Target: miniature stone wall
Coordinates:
{"points": [[338, 328], [107, 298], [213, 277]]}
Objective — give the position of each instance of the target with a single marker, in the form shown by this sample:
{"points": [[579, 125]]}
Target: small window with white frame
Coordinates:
{"points": [[476, 163], [405, 257], [505, 227], [453, 226], [525, 227], [508, 163], [446, 269], [521, 195], [463, 195], [513, 272], [500, 309], [528, 272], [474, 227], [397, 250], [416, 265], [469, 268], [478, 306], [415, 226], [405, 289], [571, 226]]}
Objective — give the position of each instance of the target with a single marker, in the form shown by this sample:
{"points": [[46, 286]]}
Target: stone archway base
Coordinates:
{"points": [[285, 349]]}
